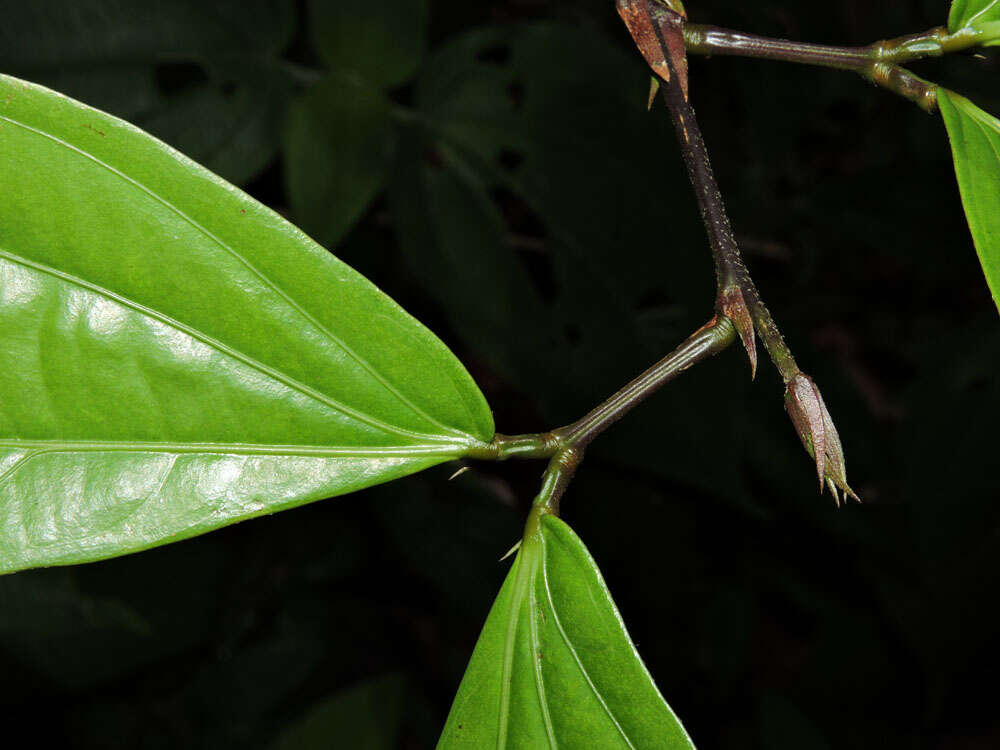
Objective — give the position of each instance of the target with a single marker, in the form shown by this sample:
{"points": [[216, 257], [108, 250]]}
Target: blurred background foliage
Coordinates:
{"points": [[490, 164]]}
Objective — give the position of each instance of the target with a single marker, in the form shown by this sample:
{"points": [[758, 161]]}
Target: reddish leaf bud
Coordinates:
{"points": [[648, 22], [814, 424]]}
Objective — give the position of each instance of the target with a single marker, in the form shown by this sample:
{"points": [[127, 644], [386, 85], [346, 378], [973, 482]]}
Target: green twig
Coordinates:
{"points": [[701, 345], [704, 343], [565, 447], [503, 447]]}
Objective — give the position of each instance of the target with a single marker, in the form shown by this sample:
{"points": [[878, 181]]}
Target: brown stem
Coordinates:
{"points": [[731, 271], [878, 63]]}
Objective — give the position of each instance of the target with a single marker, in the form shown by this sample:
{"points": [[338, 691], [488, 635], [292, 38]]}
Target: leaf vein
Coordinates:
{"points": [[573, 652], [12, 470], [361, 361], [251, 449], [536, 659], [222, 348], [510, 634], [175, 450], [986, 9]]}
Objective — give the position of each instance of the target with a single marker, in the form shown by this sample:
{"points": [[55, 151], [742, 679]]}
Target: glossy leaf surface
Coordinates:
{"points": [[174, 356], [982, 16], [975, 143], [554, 666]]}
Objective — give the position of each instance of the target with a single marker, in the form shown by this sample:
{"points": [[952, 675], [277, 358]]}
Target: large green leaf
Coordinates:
{"points": [[976, 16], [381, 40], [975, 144], [174, 356], [554, 666]]}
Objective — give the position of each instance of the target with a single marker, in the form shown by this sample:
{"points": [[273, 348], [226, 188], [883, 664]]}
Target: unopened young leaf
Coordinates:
{"points": [[175, 357], [554, 666], [975, 143], [977, 16]]}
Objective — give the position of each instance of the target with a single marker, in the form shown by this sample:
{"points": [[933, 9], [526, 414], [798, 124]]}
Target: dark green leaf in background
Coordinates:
{"points": [[982, 16], [235, 133], [366, 716], [782, 724], [616, 256], [338, 146], [176, 357], [975, 143], [554, 666], [382, 41], [65, 632], [204, 77], [455, 241], [99, 32]]}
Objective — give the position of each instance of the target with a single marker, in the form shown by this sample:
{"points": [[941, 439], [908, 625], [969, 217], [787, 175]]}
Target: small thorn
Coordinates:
{"points": [[512, 550], [654, 87], [460, 472], [734, 307]]}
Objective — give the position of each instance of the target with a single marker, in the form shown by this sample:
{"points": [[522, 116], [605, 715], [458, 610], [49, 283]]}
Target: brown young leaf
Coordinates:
{"points": [[734, 307], [815, 427], [648, 22]]}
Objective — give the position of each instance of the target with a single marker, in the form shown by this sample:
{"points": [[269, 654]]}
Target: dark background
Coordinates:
{"points": [[491, 166]]}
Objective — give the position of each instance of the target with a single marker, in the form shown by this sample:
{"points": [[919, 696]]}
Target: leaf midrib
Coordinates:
{"points": [[37, 448], [223, 349], [536, 660], [524, 594], [250, 449], [362, 362], [977, 120]]}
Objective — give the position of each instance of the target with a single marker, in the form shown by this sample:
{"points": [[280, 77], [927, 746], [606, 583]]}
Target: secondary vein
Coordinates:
{"points": [[361, 361], [220, 347], [576, 656], [536, 659]]}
